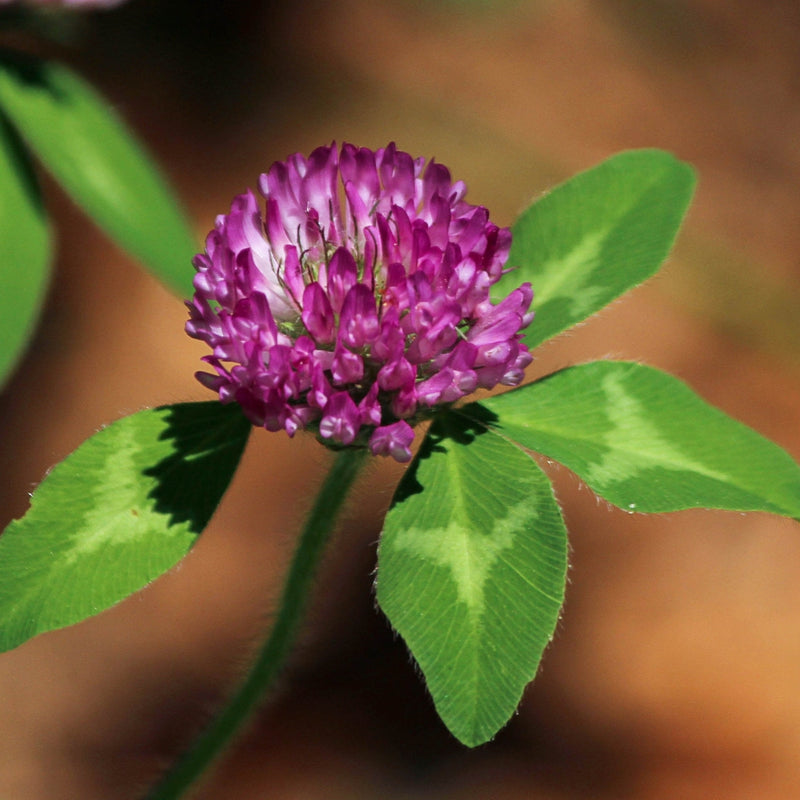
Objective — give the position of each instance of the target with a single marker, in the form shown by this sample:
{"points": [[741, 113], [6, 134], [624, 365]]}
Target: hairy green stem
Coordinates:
{"points": [[221, 732]]}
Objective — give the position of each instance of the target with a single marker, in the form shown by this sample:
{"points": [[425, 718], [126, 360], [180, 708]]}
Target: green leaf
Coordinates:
{"points": [[594, 237], [115, 514], [91, 153], [471, 572], [644, 441], [25, 250]]}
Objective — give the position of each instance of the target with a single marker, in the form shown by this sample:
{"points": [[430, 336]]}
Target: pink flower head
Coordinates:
{"points": [[355, 299]]}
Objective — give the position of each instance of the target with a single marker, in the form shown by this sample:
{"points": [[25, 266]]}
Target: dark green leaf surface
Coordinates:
{"points": [[25, 250], [471, 572], [115, 514], [596, 236], [91, 153], [644, 441]]}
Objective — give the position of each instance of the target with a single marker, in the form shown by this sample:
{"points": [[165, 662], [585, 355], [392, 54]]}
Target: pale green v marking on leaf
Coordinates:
{"points": [[115, 514], [471, 571], [135, 516], [468, 554], [623, 215], [563, 278], [634, 431], [644, 441]]}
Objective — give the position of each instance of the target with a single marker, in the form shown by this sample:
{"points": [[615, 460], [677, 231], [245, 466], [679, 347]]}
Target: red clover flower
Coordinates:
{"points": [[358, 301]]}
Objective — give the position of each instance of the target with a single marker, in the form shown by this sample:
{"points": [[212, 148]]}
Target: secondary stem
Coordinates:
{"points": [[221, 732]]}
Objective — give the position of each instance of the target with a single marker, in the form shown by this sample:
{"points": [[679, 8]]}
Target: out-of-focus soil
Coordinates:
{"points": [[675, 669]]}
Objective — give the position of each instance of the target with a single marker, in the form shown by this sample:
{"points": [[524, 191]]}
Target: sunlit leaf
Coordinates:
{"points": [[115, 514], [471, 571], [644, 441], [594, 237]]}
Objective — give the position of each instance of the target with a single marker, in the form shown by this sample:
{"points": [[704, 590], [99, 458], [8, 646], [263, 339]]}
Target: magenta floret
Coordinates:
{"points": [[358, 300]]}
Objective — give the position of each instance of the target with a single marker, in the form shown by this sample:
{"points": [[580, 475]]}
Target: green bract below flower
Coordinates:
{"points": [[357, 301]]}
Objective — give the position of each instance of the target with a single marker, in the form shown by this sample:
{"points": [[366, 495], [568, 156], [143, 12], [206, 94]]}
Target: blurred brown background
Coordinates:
{"points": [[675, 671]]}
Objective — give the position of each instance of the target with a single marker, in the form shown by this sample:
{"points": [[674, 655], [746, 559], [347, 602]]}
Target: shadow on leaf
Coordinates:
{"points": [[449, 426], [208, 439]]}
